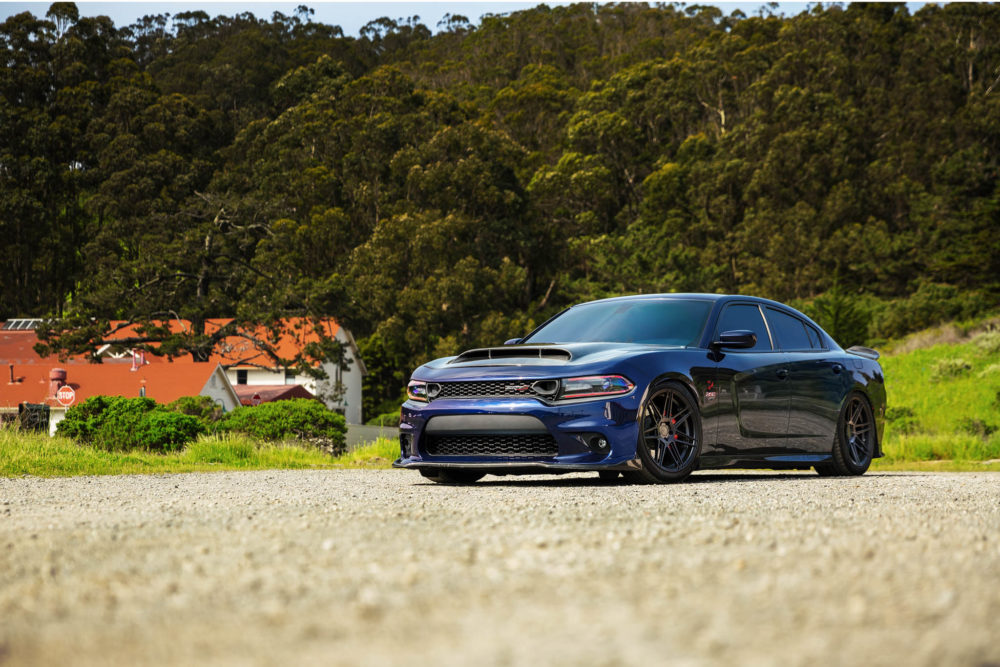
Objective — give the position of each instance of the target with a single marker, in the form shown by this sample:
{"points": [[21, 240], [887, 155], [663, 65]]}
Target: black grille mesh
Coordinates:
{"points": [[517, 445], [479, 389]]}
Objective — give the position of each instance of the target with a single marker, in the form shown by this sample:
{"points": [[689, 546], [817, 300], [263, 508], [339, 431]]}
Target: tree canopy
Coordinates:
{"points": [[439, 190]]}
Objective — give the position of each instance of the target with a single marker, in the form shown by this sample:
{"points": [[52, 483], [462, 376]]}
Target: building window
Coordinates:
{"points": [[241, 376], [290, 376]]}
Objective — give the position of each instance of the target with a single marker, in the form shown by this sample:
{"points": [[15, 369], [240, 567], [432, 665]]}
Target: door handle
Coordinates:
{"points": [[782, 373], [837, 368]]}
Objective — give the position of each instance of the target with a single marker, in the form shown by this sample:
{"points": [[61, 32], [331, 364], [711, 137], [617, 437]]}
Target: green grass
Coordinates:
{"points": [[379, 454], [42, 456], [944, 402]]}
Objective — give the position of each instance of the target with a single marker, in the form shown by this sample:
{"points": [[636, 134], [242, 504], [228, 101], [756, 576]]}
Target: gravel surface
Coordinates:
{"points": [[381, 567]]}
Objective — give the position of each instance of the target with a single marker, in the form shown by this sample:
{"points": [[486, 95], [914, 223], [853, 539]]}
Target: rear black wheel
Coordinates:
{"points": [[854, 444], [669, 435], [452, 476]]}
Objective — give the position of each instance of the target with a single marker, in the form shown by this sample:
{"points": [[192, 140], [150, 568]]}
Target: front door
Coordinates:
{"points": [[752, 389]]}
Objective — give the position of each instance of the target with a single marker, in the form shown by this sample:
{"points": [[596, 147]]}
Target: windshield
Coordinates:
{"points": [[650, 321]]}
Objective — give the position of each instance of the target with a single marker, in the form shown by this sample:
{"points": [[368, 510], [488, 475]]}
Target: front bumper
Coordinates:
{"points": [[575, 428]]}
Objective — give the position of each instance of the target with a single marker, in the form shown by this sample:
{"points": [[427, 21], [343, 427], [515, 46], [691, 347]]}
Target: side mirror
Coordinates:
{"points": [[739, 339], [512, 341]]}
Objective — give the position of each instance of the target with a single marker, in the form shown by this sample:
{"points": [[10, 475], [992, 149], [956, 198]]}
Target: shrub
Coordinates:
{"points": [[988, 341], [901, 419], [167, 431], [930, 305], [300, 419], [944, 369], [83, 419], [202, 407], [841, 315], [976, 427], [114, 423]]}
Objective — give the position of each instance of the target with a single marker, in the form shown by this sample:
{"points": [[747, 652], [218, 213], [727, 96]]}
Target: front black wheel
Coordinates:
{"points": [[669, 435], [452, 476], [854, 444]]}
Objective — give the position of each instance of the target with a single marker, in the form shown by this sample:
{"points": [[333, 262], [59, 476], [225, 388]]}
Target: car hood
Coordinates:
{"points": [[521, 361]]}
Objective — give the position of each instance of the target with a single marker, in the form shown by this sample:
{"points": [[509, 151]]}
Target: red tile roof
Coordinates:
{"points": [[244, 350], [251, 394], [163, 382]]}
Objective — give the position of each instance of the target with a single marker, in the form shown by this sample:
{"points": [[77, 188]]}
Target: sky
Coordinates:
{"points": [[350, 16]]}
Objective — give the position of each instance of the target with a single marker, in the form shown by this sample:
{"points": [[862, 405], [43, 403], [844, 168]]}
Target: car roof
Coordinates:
{"points": [[692, 296]]}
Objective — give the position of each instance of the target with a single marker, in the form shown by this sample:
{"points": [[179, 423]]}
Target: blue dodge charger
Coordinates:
{"points": [[651, 387]]}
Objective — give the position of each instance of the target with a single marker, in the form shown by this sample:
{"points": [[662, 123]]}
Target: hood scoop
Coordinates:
{"points": [[511, 352]]}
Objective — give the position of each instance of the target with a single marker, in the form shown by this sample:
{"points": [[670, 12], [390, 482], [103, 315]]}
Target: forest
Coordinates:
{"points": [[436, 188]]}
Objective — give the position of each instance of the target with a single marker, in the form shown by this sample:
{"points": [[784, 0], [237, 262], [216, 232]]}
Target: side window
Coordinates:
{"points": [[814, 340], [790, 331], [745, 316]]}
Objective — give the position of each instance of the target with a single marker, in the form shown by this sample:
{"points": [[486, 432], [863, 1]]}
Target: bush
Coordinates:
{"points": [[976, 427], [83, 419], [114, 423], [842, 316], [988, 341], [901, 419], [300, 419], [202, 407], [167, 431], [931, 304], [944, 369]]}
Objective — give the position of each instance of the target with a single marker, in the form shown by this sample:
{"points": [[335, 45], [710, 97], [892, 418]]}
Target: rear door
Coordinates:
{"points": [[815, 383], [752, 399]]}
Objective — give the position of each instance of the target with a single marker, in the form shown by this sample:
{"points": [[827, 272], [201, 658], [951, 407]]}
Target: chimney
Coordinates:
{"points": [[57, 378]]}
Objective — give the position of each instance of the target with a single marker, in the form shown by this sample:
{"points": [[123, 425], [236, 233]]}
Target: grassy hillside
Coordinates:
{"points": [[944, 397]]}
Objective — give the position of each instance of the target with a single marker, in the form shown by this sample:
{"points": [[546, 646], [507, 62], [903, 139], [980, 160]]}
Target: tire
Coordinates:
{"points": [[670, 435], [854, 443], [608, 476], [449, 476]]}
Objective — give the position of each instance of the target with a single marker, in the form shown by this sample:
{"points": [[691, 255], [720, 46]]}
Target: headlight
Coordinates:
{"points": [[595, 385], [417, 391]]}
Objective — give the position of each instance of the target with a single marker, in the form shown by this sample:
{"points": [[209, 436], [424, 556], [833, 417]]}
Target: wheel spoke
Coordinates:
{"points": [[661, 449], [684, 439], [656, 415], [674, 454], [680, 418]]}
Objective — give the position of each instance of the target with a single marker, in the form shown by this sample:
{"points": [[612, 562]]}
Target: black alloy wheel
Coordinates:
{"points": [[854, 444], [669, 435]]}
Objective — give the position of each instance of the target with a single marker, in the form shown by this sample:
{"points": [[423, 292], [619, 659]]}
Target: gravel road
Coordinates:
{"points": [[380, 567]]}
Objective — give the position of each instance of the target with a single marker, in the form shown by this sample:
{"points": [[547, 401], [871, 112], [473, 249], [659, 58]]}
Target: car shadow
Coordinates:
{"points": [[588, 479]]}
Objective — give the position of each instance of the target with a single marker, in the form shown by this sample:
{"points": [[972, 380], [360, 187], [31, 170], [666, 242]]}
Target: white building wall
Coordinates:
{"points": [[350, 401]]}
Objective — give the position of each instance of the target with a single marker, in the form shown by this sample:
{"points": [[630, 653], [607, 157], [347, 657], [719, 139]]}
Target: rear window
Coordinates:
{"points": [[648, 321], [790, 331]]}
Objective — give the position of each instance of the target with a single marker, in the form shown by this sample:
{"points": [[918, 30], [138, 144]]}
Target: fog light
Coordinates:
{"points": [[599, 442]]}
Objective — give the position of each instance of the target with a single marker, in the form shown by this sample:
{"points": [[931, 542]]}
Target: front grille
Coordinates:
{"points": [[504, 388], [515, 445]]}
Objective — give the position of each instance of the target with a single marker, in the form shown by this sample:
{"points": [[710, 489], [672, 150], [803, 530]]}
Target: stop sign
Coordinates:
{"points": [[66, 395], [255, 400]]}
